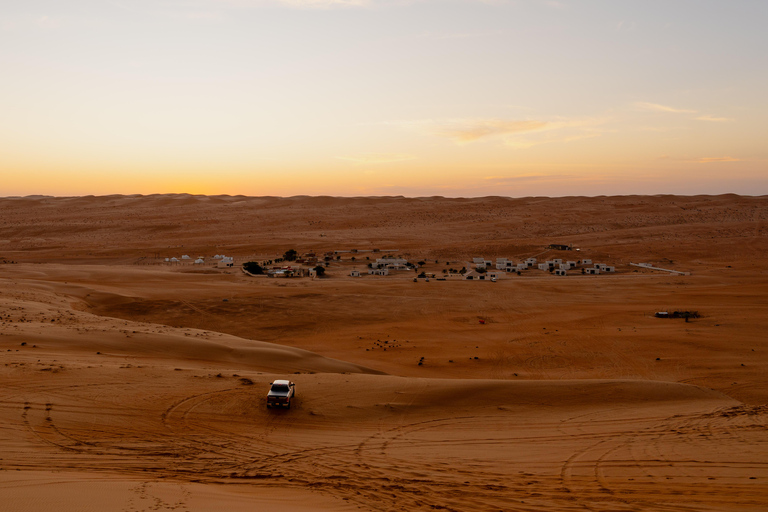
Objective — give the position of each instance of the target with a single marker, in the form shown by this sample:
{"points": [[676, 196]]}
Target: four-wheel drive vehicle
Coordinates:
{"points": [[281, 393]]}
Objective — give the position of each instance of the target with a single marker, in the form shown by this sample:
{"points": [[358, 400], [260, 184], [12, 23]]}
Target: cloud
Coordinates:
{"points": [[702, 160], [513, 133], [709, 160], [470, 130], [502, 180], [655, 107], [523, 143], [559, 131], [715, 119], [377, 158]]}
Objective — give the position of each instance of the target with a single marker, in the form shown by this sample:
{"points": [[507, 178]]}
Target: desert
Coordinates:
{"points": [[131, 382]]}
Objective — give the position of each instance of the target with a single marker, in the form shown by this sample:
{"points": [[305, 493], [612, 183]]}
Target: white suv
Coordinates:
{"points": [[281, 393]]}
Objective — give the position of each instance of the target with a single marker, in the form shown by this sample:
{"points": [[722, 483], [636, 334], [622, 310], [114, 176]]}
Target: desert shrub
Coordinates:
{"points": [[253, 268], [685, 314]]}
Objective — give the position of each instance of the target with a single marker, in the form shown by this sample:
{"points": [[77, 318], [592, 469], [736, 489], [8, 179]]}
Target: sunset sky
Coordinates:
{"points": [[384, 97]]}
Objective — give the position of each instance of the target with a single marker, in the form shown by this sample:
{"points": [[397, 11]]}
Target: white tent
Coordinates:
{"points": [[226, 262]]}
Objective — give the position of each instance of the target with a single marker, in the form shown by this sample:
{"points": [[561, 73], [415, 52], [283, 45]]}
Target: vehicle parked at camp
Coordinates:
{"points": [[281, 394]]}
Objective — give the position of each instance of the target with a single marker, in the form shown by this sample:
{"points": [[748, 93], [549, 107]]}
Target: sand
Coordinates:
{"points": [[129, 384]]}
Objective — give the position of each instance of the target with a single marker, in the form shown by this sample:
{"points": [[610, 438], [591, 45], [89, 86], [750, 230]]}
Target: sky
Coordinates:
{"points": [[456, 98]]}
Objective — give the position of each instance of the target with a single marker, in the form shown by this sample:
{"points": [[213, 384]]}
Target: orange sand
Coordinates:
{"points": [[128, 384]]}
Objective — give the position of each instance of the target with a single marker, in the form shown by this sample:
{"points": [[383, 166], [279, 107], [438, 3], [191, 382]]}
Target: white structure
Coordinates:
{"points": [[560, 272], [543, 266], [379, 271], [174, 260], [571, 264], [167, 259], [557, 261], [225, 262], [592, 271], [390, 263], [186, 257], [199, 261], [586, 262], [564, 266], [601, 266], [505, 264], [522, 266], [481, 262], [530, 262], [474, 276], [609, 268], [496, 275], [355, 273], [218, 256]]}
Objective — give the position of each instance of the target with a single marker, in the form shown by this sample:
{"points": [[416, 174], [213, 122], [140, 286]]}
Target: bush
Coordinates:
{"points": [[320, 271], [253, 268], [290, 255]]}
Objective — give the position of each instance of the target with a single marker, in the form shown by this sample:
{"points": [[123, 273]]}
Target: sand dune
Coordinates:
{"points": [[129, 384]]}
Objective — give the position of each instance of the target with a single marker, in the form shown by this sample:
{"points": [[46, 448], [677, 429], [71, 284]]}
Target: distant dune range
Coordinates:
{"points": [[131, 384], [726, 227]]}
